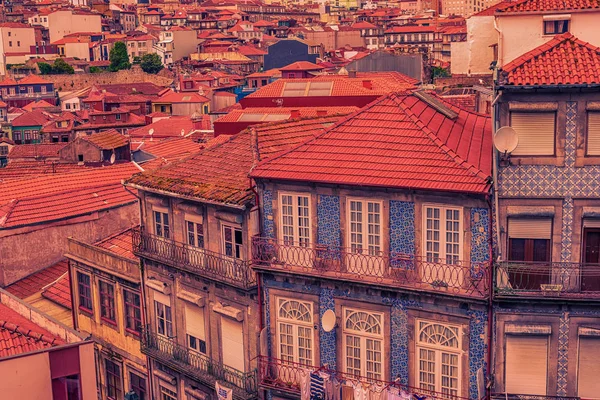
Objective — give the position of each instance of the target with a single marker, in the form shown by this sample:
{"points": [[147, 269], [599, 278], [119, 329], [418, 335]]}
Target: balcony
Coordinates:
{"points": [[198, 366], [403, 271], [553, 280], [285, 376], [511, 396], [203, 262]]}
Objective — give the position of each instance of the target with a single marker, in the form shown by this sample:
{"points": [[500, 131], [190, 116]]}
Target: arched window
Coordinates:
{"points": [[363, 342], [438, 353], [295, 330]]}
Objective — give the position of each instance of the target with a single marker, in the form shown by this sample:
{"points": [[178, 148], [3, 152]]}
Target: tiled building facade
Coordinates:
{"points": [[547, 280]]}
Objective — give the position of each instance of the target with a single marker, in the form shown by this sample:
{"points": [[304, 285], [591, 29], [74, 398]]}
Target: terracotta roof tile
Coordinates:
{"points": [[19, 335], [39, 150], [551, 5], [107, 140], [564, 60], [60, 292], [397, 141], [265, 113], [301, 66], [120, 243], [35, 282]]}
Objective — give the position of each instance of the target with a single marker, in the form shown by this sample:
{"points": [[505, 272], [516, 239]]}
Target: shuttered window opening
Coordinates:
{"points": [[530, 228], [232, 342], [526, 365], [593, 133], [536, 131], [162, 298], [588, 368], [194, 327]]}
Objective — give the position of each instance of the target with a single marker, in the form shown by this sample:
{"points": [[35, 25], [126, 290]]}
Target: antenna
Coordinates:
{"points": [[506, 140], [328, 321]]}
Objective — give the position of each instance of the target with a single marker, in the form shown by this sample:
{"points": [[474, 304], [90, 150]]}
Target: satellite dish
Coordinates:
{"points": [[506, 140], [183, 132], [113, 158], [151, 131], [328, 320]]}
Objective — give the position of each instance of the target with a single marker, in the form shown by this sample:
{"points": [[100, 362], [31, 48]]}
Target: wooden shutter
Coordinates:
{"points": [[593, 133], [526, 364], [194, 321], [232, 342], [589, 367], [162, 298], [530, 228], [536, 132]]}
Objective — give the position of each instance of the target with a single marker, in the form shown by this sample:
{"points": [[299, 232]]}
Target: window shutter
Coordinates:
{"points": [[232, 340], [526, 364], [162, 298], [593, 134], [536, 131], [194, 321], [589, 367], [524, 228]]}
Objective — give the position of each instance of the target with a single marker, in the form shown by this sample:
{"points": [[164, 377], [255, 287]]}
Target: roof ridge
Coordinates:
{"points": [[445, 148], [10, 206], [531, 54]]}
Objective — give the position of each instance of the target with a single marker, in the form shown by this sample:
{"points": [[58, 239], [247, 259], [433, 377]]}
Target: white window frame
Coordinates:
{"points": [[365, 246], [296, 326], [304, 240], [364, 337], [442, 254], [162, 211], [438, 350]]}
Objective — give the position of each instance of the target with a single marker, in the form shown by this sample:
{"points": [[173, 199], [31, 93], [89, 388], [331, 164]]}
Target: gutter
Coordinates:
{"points": [[182, 196]]}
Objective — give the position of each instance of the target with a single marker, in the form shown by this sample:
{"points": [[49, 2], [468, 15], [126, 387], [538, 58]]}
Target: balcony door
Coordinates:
{"points": [[590, 280], [233, 249], [364, 238], [295, 230], [232, 341], [529, 251], [195, 240]]}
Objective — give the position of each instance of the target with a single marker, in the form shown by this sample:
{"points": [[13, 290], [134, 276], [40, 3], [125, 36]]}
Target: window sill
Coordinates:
{"points": [[108, 322], [558, 161], [135, 334], [86, 311]]}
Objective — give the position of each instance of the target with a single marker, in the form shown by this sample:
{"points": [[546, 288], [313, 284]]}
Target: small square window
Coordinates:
{"points": [[556, 27]]}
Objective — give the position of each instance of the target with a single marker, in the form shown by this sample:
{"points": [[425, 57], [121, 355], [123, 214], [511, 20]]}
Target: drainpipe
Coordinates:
{"points": [[258, 277], [490, 335], [73, 312], [500, 42]]}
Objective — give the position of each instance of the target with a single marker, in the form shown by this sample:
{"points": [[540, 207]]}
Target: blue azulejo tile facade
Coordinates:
{"points": [[268, 228], [398, 332], [328, 217]]}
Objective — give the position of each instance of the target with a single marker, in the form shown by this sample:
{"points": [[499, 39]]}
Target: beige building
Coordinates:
{"points": [[465, 8], [176, 43], [15, 39], [64, 22], [108, 305], [474, 56]]}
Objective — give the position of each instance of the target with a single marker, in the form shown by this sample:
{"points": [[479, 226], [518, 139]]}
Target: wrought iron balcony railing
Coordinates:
{"points": [[511, 396], [392, 269], [286, 376], [203, 262], [554, 279], [198, 366]]}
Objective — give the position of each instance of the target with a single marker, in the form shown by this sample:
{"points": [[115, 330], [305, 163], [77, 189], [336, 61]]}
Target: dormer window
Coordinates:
{"points": [[556, 24]]}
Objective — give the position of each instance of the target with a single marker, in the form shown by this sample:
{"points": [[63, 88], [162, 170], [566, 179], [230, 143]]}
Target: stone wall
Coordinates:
{"points": [[81, 81]]}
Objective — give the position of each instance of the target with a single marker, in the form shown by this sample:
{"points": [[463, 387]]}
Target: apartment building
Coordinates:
{"points": [[548, 280], [108, 304], [176, 43], [374, 256], [65, 22], [16, 39]]}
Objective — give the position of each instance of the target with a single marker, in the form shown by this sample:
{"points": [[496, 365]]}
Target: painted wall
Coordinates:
{"points": [[522, 33], [47, 243], [62, 23], [26, 378], [474, 56]]}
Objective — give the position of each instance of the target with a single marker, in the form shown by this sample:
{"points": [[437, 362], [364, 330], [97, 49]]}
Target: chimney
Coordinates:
{"points": [[367, 84], [321, 113], [295, 114], [352, 73]]}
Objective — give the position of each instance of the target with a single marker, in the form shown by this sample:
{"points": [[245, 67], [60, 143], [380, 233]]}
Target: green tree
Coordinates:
{"points": [[151, 63], [45, 68], [95, 70], [119, 59], [61, 67]]}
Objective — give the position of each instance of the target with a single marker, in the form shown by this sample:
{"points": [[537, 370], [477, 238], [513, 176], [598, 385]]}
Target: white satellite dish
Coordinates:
{"points": [[506, 140], [328, 321], [113, 158], [183, 132], [151, 131]]}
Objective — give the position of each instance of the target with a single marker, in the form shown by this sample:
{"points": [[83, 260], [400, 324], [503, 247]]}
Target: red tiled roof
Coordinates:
{"points": [[45, 198], [19, 335], [38, 104], [164, 128], [37, 117], [220, 172], [363, 25], [301, 66], [262, 114], [492, 9], [35, 282], [33, 80], [181, 97], [8, 82], [564, 60], [120, 244], [22, 169], [398, 141], [107, 140], [39, 150], [60, 292], [172, 148], [551, 5]]}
